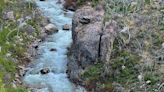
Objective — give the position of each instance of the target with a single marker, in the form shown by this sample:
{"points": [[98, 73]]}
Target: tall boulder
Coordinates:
{"points": [[92, 39], [87, 26]]}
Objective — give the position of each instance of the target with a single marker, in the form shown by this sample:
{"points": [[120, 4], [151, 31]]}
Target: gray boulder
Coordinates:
{"points": [[85, 33], [50, 29], [92, 39]]}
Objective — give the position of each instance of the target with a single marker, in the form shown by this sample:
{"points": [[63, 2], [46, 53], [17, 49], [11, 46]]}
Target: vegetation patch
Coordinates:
{"points": [[93, 72], [93, 2], [124, 67], [137, 54], [14, 41]]}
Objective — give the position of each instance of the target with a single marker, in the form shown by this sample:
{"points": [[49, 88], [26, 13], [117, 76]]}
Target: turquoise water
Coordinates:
{"points": [[56, 80]]}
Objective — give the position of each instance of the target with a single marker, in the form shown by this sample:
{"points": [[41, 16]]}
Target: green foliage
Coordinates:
{"points": [[3, 89], [30, 6], [139, 46], [94, 2], [7, 35], [153, 77], [128, 61], [154, 38], [13, 42], [2, 3], [9, 66], [15, 90], [157, 39], [108, 87], [93, 72], [124, 7], [147, 1], [80, 2], [115, 6], [34, 23]]}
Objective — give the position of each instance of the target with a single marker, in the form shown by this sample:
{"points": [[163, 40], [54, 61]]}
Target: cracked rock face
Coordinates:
{"points": [[86, 35], [92, 39]]}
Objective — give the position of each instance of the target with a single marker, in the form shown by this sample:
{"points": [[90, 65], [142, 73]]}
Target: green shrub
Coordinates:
{"points": [[93, 72]]}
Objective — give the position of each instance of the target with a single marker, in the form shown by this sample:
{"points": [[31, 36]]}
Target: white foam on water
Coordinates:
{"points": [[56, 80]]}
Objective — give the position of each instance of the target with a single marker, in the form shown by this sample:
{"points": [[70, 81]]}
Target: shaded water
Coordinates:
{"points": [[56, 80]]}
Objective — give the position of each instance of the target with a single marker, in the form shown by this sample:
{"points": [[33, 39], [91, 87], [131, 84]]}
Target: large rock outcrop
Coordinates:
{"points": [[92, 39]]}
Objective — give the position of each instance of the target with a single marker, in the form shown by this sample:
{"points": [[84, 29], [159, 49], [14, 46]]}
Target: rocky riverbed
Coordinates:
{"points": [[47, 72]]}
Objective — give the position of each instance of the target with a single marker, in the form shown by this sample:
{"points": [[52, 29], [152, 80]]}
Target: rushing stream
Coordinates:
{"points": [[56, 80]]}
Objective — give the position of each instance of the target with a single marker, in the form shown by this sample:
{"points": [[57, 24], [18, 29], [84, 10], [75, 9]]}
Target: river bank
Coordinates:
{"points": [[22, 26]]}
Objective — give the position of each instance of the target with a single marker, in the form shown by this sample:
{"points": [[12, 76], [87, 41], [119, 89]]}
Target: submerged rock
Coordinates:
{"points": [[50, 29], [53, 49], [66, 27], [45, 71]]}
